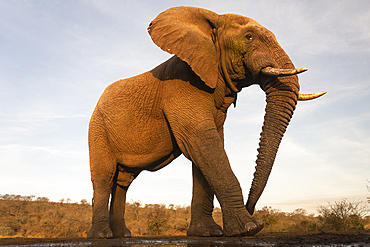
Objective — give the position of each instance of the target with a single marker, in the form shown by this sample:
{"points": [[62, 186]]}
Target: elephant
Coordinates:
{"points": [[179, 107]]}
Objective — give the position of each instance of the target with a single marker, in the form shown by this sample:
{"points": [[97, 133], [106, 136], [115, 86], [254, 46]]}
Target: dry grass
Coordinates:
{"points": [[27, 217]]}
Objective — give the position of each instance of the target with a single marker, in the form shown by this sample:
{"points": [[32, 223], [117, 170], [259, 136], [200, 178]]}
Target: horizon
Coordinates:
{"points": [[84, 201]]}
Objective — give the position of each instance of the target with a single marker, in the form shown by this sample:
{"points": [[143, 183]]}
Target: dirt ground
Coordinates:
{"points": [[266, 239]]}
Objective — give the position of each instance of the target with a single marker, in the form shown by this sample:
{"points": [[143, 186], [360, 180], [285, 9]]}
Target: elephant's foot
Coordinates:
{"points": [[120, 230], [243, 225], [204, 228], [100, 231]]}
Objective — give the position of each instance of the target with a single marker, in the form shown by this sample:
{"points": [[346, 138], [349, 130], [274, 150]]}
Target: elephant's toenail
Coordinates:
{"points": [[250, 226]]}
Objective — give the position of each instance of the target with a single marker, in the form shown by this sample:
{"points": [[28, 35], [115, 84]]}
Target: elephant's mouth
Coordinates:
{"points": [[273, 72]]}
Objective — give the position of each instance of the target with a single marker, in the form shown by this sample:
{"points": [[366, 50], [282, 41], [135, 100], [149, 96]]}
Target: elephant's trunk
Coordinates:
{"points": [[280, 105]]}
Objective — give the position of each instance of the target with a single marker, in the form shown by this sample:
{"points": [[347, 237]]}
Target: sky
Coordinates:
{"points": [[57, 57]]}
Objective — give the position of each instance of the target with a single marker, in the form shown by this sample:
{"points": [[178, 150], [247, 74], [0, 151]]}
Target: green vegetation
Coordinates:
{"points": [[25, 216], [344, 216]]}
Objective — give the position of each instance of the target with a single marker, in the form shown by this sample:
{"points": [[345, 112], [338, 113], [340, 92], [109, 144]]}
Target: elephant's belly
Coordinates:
{"points": [[148, 161], [140, 142], [145, 148]]}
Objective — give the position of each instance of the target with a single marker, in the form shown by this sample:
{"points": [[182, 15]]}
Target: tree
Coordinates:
{"points": [[343, 215], [157, 219], [16, 204], [268, 215], [136, 205], [42, 199], [83, 202], [299, 212]]}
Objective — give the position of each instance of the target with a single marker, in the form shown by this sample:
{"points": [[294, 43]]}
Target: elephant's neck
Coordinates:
{"points": [[175, 68], [223, 95]]}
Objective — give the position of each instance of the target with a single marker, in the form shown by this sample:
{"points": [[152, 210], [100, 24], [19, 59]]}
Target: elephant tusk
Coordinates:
{"points": [[310, 96], [273, 72]]}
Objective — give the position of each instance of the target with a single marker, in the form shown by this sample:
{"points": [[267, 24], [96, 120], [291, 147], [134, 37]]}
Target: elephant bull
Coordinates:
{"points": [[145, 122]]}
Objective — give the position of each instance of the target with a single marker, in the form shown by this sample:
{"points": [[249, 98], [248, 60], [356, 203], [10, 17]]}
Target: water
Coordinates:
{"points": [[152, 243], [245, 242]]}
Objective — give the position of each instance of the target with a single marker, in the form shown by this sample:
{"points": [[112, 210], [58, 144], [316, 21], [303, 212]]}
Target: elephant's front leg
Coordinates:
{"points": [[201, 143], [191, 119], [202, 223]]}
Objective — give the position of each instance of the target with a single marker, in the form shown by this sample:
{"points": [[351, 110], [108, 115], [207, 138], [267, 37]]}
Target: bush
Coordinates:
{"points": [[343, 216], [157, 219]]}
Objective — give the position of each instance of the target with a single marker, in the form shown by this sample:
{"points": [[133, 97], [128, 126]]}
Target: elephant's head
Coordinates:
{"points": [[240, 52]]}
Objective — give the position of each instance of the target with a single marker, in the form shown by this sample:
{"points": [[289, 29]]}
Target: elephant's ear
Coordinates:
{"points": [[187, 33]]}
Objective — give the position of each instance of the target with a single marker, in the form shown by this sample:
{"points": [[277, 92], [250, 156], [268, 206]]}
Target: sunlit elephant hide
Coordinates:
{"points": [[179, 107]]}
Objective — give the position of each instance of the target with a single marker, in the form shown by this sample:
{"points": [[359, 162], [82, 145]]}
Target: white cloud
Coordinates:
{"points": [[338, 27]]}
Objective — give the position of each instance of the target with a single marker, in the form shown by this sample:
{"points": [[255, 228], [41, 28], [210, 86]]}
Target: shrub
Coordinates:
{"points": [[343, 215]]}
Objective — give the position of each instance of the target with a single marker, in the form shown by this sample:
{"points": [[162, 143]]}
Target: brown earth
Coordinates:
{"points": [[263, 239]]}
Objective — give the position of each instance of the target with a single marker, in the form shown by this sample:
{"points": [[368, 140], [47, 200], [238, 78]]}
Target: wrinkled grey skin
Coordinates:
{"points": [[179, 107]]}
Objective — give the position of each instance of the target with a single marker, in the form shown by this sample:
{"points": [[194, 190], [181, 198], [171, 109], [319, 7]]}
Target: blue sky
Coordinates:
{"points": [[57, 57]]}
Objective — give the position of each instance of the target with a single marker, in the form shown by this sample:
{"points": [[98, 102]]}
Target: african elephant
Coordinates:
{"points": [[179, 107]]}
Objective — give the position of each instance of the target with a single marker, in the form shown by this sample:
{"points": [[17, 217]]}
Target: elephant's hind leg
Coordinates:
{"points": [[122, 181], [103, 168], [202, 223]]}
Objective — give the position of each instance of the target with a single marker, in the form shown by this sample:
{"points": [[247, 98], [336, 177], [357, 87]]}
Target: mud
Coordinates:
{"points": [[270, 239]]}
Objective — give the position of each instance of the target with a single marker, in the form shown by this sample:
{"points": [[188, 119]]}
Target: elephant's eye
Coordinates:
{"points": [[249, 37]]}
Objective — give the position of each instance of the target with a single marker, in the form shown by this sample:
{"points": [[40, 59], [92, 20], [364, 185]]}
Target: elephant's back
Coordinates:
{"points": [[138, 93]]}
